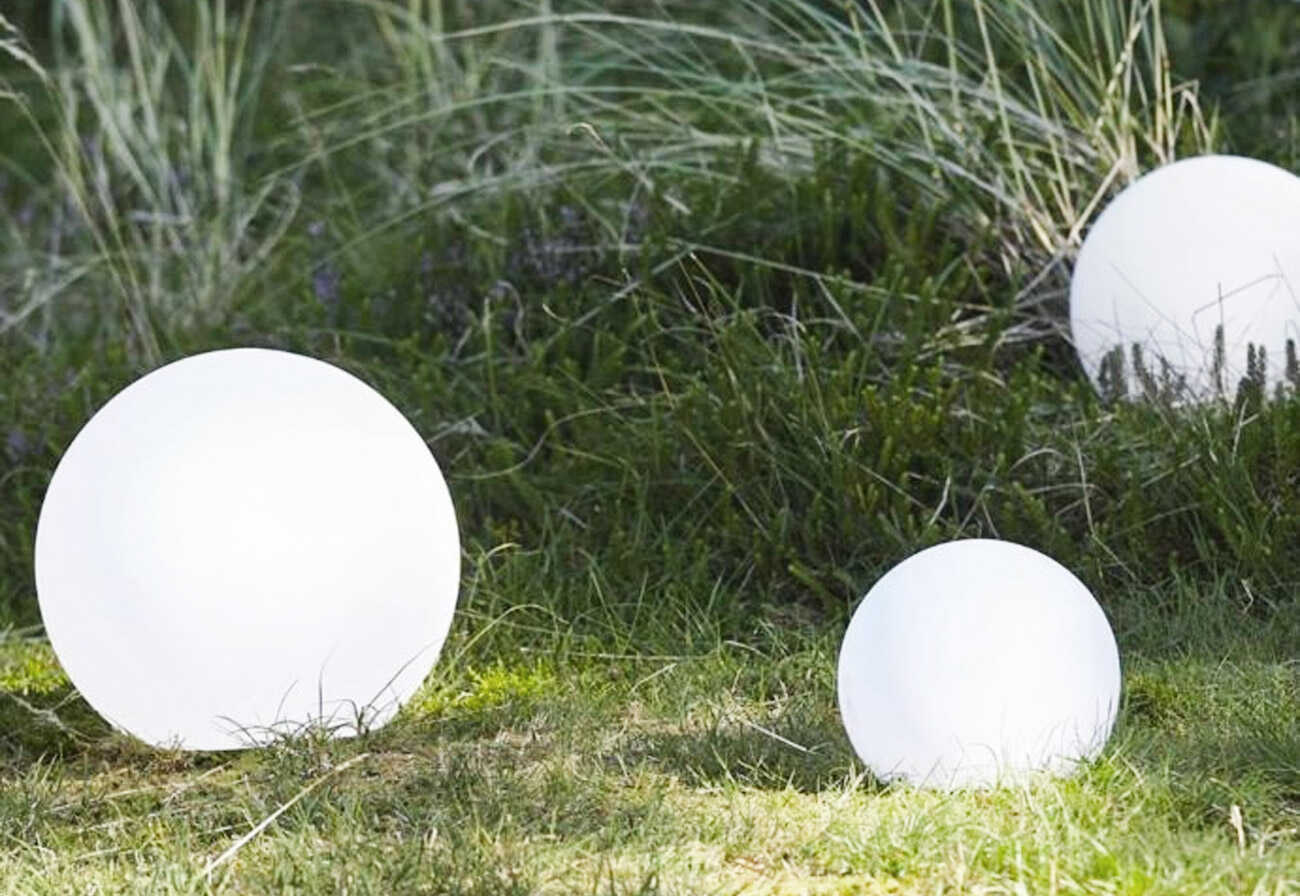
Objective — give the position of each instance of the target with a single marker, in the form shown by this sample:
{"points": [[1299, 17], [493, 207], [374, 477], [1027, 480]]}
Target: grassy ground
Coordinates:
{"points": [[710, 314], [555, 766]]}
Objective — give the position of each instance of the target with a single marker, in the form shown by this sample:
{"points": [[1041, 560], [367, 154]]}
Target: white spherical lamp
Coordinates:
{"points": [[243, 543], [1199, 247], [974, 663]]}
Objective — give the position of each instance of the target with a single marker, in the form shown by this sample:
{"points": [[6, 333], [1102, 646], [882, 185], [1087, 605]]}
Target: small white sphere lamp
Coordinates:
{"points": [[974, 663], [1207, 242], [242, 543]]}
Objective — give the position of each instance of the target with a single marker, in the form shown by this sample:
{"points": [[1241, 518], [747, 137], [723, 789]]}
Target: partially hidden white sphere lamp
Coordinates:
{"points": [[243, 543], [975, 663], [1194, 246]]}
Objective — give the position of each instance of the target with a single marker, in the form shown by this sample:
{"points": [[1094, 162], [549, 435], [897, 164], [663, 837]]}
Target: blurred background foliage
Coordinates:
{"points": [[718, 307]]}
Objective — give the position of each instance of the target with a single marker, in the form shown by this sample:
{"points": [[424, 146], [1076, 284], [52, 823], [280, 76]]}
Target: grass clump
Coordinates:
{"points": [[31, 668], [147, 147]]}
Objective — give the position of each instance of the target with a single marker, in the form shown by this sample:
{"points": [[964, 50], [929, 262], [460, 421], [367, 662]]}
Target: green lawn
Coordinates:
{"points": [[720, 767], [710, 313]]}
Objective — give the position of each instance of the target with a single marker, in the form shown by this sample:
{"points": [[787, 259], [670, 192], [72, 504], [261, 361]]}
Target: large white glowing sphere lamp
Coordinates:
{"points": [[1194, 246], [975, 663], [244, 543]]}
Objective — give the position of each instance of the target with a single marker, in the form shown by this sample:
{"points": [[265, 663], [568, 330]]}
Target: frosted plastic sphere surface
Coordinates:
{"points": [[974, 663], [243, 542], [1198, 243]]}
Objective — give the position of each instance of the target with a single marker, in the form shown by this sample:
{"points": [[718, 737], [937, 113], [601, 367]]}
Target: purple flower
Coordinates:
{"points": [[325, 284], [17, 444]]}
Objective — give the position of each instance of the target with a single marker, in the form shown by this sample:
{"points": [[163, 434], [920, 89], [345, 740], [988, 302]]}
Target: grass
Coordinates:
{"points": [[710, 314], [559, 766]]}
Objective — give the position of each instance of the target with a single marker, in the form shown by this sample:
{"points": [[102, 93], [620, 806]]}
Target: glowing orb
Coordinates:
{"points": [[1206, 243], [243, 543], [977, 662]]}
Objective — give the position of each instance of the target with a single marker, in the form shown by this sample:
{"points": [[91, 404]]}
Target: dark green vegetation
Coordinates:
{"points": [[710, 314]]}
